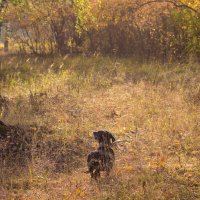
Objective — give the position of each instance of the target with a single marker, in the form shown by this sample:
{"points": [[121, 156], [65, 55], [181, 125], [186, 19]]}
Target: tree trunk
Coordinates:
{"points": [[61, 43], [6, 45], [5, 38]]}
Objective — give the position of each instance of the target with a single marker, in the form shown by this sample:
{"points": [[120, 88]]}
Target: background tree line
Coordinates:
{"points": [[145, 29]]}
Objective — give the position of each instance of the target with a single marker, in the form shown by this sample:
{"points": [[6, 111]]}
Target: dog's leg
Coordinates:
{"points": [[92, 175], [97, 175]]}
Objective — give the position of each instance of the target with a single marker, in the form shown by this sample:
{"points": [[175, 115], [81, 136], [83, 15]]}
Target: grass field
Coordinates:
{"points": [[72, 97]]}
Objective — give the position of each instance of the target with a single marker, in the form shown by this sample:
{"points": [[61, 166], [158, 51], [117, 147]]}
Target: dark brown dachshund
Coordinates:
{"points": [[103, 158]]}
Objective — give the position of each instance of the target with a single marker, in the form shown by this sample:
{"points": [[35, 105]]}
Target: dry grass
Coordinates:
{"points": [[73, 97]]}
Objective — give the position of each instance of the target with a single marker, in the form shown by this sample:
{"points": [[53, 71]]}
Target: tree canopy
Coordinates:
{"points": [[164, 29]]}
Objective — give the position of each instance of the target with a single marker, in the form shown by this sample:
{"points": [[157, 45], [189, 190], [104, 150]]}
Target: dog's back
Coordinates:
{"points": [[100, 160]]}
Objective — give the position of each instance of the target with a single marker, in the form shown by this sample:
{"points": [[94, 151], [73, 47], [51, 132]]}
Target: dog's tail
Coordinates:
{"points": [[120, 141]]}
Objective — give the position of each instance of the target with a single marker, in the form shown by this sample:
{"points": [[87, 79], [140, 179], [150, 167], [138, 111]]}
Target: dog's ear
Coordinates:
{"points": [[111, 137], [95, 135]]}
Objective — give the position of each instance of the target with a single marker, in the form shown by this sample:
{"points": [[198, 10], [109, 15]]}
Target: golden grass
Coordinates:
{"points": [[74, 96]]}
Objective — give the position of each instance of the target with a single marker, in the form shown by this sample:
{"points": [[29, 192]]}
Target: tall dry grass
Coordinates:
{"points": [[72, 96]]}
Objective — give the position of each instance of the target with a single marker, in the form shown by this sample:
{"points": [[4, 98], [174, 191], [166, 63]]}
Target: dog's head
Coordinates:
{"points": [[104, 137]]}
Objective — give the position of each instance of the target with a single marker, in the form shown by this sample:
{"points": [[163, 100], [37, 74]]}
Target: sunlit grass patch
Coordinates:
{"points": [[154, 107]]}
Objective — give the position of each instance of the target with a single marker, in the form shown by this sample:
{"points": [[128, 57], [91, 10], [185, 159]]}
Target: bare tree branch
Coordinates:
{"points": [[176, 3]]}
